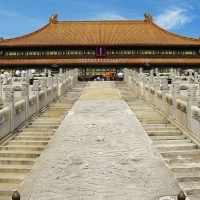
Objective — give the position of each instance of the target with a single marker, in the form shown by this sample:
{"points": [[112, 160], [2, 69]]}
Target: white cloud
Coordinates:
{"points": [[109, 16], [173, 18]]}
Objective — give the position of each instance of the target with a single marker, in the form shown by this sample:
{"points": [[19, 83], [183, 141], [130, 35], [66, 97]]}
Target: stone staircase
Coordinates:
{"points": [[18, 154], [180, 153]]}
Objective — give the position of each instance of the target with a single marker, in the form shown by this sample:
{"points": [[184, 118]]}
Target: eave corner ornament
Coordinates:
{"points": [[53, 18], [148, 18]]}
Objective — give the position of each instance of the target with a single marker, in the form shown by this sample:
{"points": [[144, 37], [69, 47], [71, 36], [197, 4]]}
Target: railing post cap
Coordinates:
{"points": [[16, 195], [181, 196]]}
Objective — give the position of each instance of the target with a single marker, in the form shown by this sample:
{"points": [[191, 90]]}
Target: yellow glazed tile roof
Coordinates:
{"points": [[70, 33]]}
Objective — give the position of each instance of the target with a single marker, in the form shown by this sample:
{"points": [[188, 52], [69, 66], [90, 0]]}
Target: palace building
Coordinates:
{"points": [[99, 46]]}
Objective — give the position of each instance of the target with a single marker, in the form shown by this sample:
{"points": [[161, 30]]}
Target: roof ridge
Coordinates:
{"points": [[78, 21]]}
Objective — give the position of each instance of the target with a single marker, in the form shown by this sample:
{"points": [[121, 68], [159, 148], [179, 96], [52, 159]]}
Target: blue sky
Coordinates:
{"points": [[20, 17]]}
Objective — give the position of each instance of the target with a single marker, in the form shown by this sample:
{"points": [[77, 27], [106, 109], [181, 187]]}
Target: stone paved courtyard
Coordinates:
{"points": [[100, 152]]}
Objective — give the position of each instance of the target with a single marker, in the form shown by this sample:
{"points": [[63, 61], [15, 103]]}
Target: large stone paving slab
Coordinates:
{"points": [[100, 151]]}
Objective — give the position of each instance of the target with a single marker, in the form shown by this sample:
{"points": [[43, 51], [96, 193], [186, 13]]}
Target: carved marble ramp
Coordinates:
{"points": [[100, 152]]}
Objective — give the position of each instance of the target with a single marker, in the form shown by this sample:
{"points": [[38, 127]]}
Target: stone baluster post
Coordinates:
{"points": [[145, 82], [5, 79], [178, 73], [60, 71], [44, 88], [191, 101], [130, 79], [10, 77], [56, 83], [76, 75], [73, 77], [49, 73], [36, 89], [199, 85], [50, 85], [156, 87], [135, 79], [25, 95], [151, 78], [30, 73], [176, 95], [139, 81], [27, 78], [165, 89], [9, 102], [173, 78], [45, 71], [62, 83], [1, 86], [195, 77], [171, 72], [156, 71], [175, 72], [67, 80], [70, 78], [190, 76]]}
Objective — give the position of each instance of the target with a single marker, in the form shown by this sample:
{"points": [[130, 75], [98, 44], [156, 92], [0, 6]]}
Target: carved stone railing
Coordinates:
{"points": [[34, 98]]}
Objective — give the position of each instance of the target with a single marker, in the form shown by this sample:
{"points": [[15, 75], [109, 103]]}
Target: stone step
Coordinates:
{"points": [[152, 118], [58, 111], [42, 126], [168, 125], [161, 128], [164, 133], [7, 189], [185, 167], [54, 115], [49, 119], [161, 142], [17, 161], [152, 122], [45, 123], [187, 177], [191, 188], [194, 197], [22, 148], [21, 137], [147, 114], [8, 197], [20, 154], [41, 134], [179, 146], [13, 178], [15, 169], [181, 153], [60, 107], [141, 107], [28, 142], [39, 129], [168, 138], [180, 160]]}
